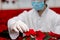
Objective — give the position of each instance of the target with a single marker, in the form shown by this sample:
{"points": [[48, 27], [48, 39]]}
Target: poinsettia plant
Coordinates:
{"points": [[38, 35], [35, 35]]}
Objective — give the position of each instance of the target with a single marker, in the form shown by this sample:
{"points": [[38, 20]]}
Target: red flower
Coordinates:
{"points": [[30, 32], [51, 39], [40, 35], [27, 33], [54, 35]]}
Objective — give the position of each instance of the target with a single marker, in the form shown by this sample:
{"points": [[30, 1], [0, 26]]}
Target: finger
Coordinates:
{"points": [[27, 29], [24, 27], [18, 27], [15, 29]]}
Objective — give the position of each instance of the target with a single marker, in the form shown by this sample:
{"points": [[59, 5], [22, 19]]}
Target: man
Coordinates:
{"points": [[39, 18]]}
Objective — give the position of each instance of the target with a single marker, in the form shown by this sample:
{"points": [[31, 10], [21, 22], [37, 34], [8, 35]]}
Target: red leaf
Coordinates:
{"points": [[40, 35], [51, 39], [54, 35], [32, 32], [27, 33]]}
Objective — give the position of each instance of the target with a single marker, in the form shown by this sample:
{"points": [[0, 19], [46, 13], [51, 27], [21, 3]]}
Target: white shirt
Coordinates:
{"points": [[48, 21]]}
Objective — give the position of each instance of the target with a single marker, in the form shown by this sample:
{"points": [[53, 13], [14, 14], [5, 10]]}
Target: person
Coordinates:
{"points": [[40, 17]]}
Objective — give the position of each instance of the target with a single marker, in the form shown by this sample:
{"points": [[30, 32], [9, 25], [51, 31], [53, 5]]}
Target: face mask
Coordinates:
{"points": [[38, 5]]}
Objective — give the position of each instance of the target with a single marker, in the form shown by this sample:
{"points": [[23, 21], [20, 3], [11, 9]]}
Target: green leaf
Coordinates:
{"points": [[47, 37], [32, 39]]}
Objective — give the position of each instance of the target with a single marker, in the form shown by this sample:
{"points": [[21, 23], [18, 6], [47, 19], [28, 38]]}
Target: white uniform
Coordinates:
{"points": [[48, 21]]}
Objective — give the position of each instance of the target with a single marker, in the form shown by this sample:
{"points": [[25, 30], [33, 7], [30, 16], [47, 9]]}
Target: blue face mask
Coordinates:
{"points": [[38, 5]]}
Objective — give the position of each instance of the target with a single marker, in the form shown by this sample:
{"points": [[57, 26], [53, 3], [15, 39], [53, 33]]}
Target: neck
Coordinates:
{"points": [[41, 11]]}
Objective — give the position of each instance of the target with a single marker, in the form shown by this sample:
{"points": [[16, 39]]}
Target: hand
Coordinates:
{"points": [[19, 26]]}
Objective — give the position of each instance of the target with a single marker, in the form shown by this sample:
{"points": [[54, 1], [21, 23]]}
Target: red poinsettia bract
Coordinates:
{"points": [[54, 35], [38, 34], [30, 32]]}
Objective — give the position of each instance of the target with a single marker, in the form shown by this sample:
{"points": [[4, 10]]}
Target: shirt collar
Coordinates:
{"points": [[45, 12]]}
